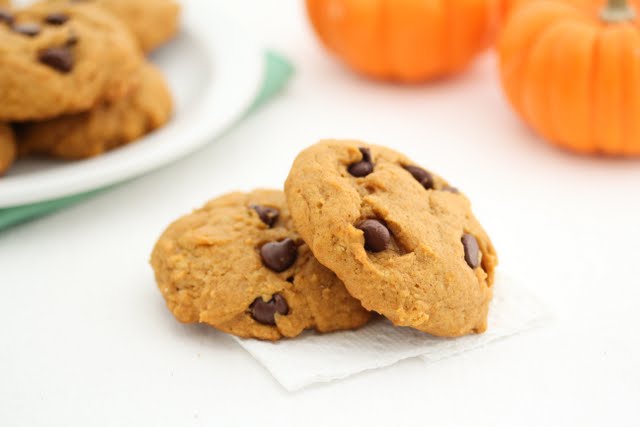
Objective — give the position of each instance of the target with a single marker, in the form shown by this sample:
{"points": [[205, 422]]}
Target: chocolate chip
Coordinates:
{"points": [[422, 176], [366, 154], [56, 18], [471, 250], [267, 215], [364, 167], [59, 58], [281, 304], [360, 169], [376, 235], [265, 312], [6, 16], [450, 189], [278, 256], [27, 29]]}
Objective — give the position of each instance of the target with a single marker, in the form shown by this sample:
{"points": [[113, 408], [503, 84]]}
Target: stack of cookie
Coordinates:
{"points": [[359, 229], [74, 81]]}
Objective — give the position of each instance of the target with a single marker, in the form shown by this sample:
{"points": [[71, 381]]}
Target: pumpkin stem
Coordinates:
{"points": [[617, 11]]}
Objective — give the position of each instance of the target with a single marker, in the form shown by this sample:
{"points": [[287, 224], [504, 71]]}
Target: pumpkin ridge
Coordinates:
{"points": [[630, 103], [463, 34], [443, 47], [381, 35], [589, 143], [558, 108], [384, 42], [606, 124], [622, 118], [569, 105], [512, 67], [633, 95], [384, 26], [527, 97], [449, 42]]}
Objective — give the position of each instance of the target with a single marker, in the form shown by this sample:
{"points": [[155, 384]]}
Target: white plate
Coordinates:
{"points": [[214, 74]]}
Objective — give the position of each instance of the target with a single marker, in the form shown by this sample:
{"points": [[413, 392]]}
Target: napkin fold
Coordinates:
{"points": [[314, 358], [278, 71]]}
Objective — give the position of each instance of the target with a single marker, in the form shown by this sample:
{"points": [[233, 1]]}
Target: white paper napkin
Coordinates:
{"points": [[313, 358]]}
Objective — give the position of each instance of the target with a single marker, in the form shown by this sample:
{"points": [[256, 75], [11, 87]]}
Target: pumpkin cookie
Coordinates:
{"points": [[402, 240], [63, 59], [153, 22], [7, 148], [107, 126], [238, 265]]}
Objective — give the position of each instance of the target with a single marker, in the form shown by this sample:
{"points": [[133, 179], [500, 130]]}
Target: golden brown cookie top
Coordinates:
{"points": [[63, 59], [105, 127], [237, 265], [403, 241], [153, 22], [7, 148]]}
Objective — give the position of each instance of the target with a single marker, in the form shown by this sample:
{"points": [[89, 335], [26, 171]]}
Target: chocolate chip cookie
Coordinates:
{"points": [[403, 241], [110, 125], [153, 22], [62, 59], [7, 148], [238, 265]]}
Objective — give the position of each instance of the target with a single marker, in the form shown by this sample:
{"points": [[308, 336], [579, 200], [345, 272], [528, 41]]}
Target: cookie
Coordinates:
{"points": [[238, 265], [403, 241], [63, 59], [107, 126], [7, 148], [153, 22]]}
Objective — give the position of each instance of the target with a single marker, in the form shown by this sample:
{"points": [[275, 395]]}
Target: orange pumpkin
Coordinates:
{"points": [[509, 5], [405, 40], [571, 69]]}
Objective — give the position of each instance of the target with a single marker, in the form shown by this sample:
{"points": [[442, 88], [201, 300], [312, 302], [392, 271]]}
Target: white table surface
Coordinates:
{"points": [[84, 332]]}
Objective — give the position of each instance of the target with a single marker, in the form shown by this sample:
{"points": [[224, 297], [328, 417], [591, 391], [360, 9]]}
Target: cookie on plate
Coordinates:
{"points": [[107, 126], [238, 265], [153, 22], [7, 148], [62, 59], [403, 241]]}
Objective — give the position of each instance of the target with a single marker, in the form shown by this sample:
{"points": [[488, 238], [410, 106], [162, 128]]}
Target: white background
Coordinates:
{"points": [[86, 340]]}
